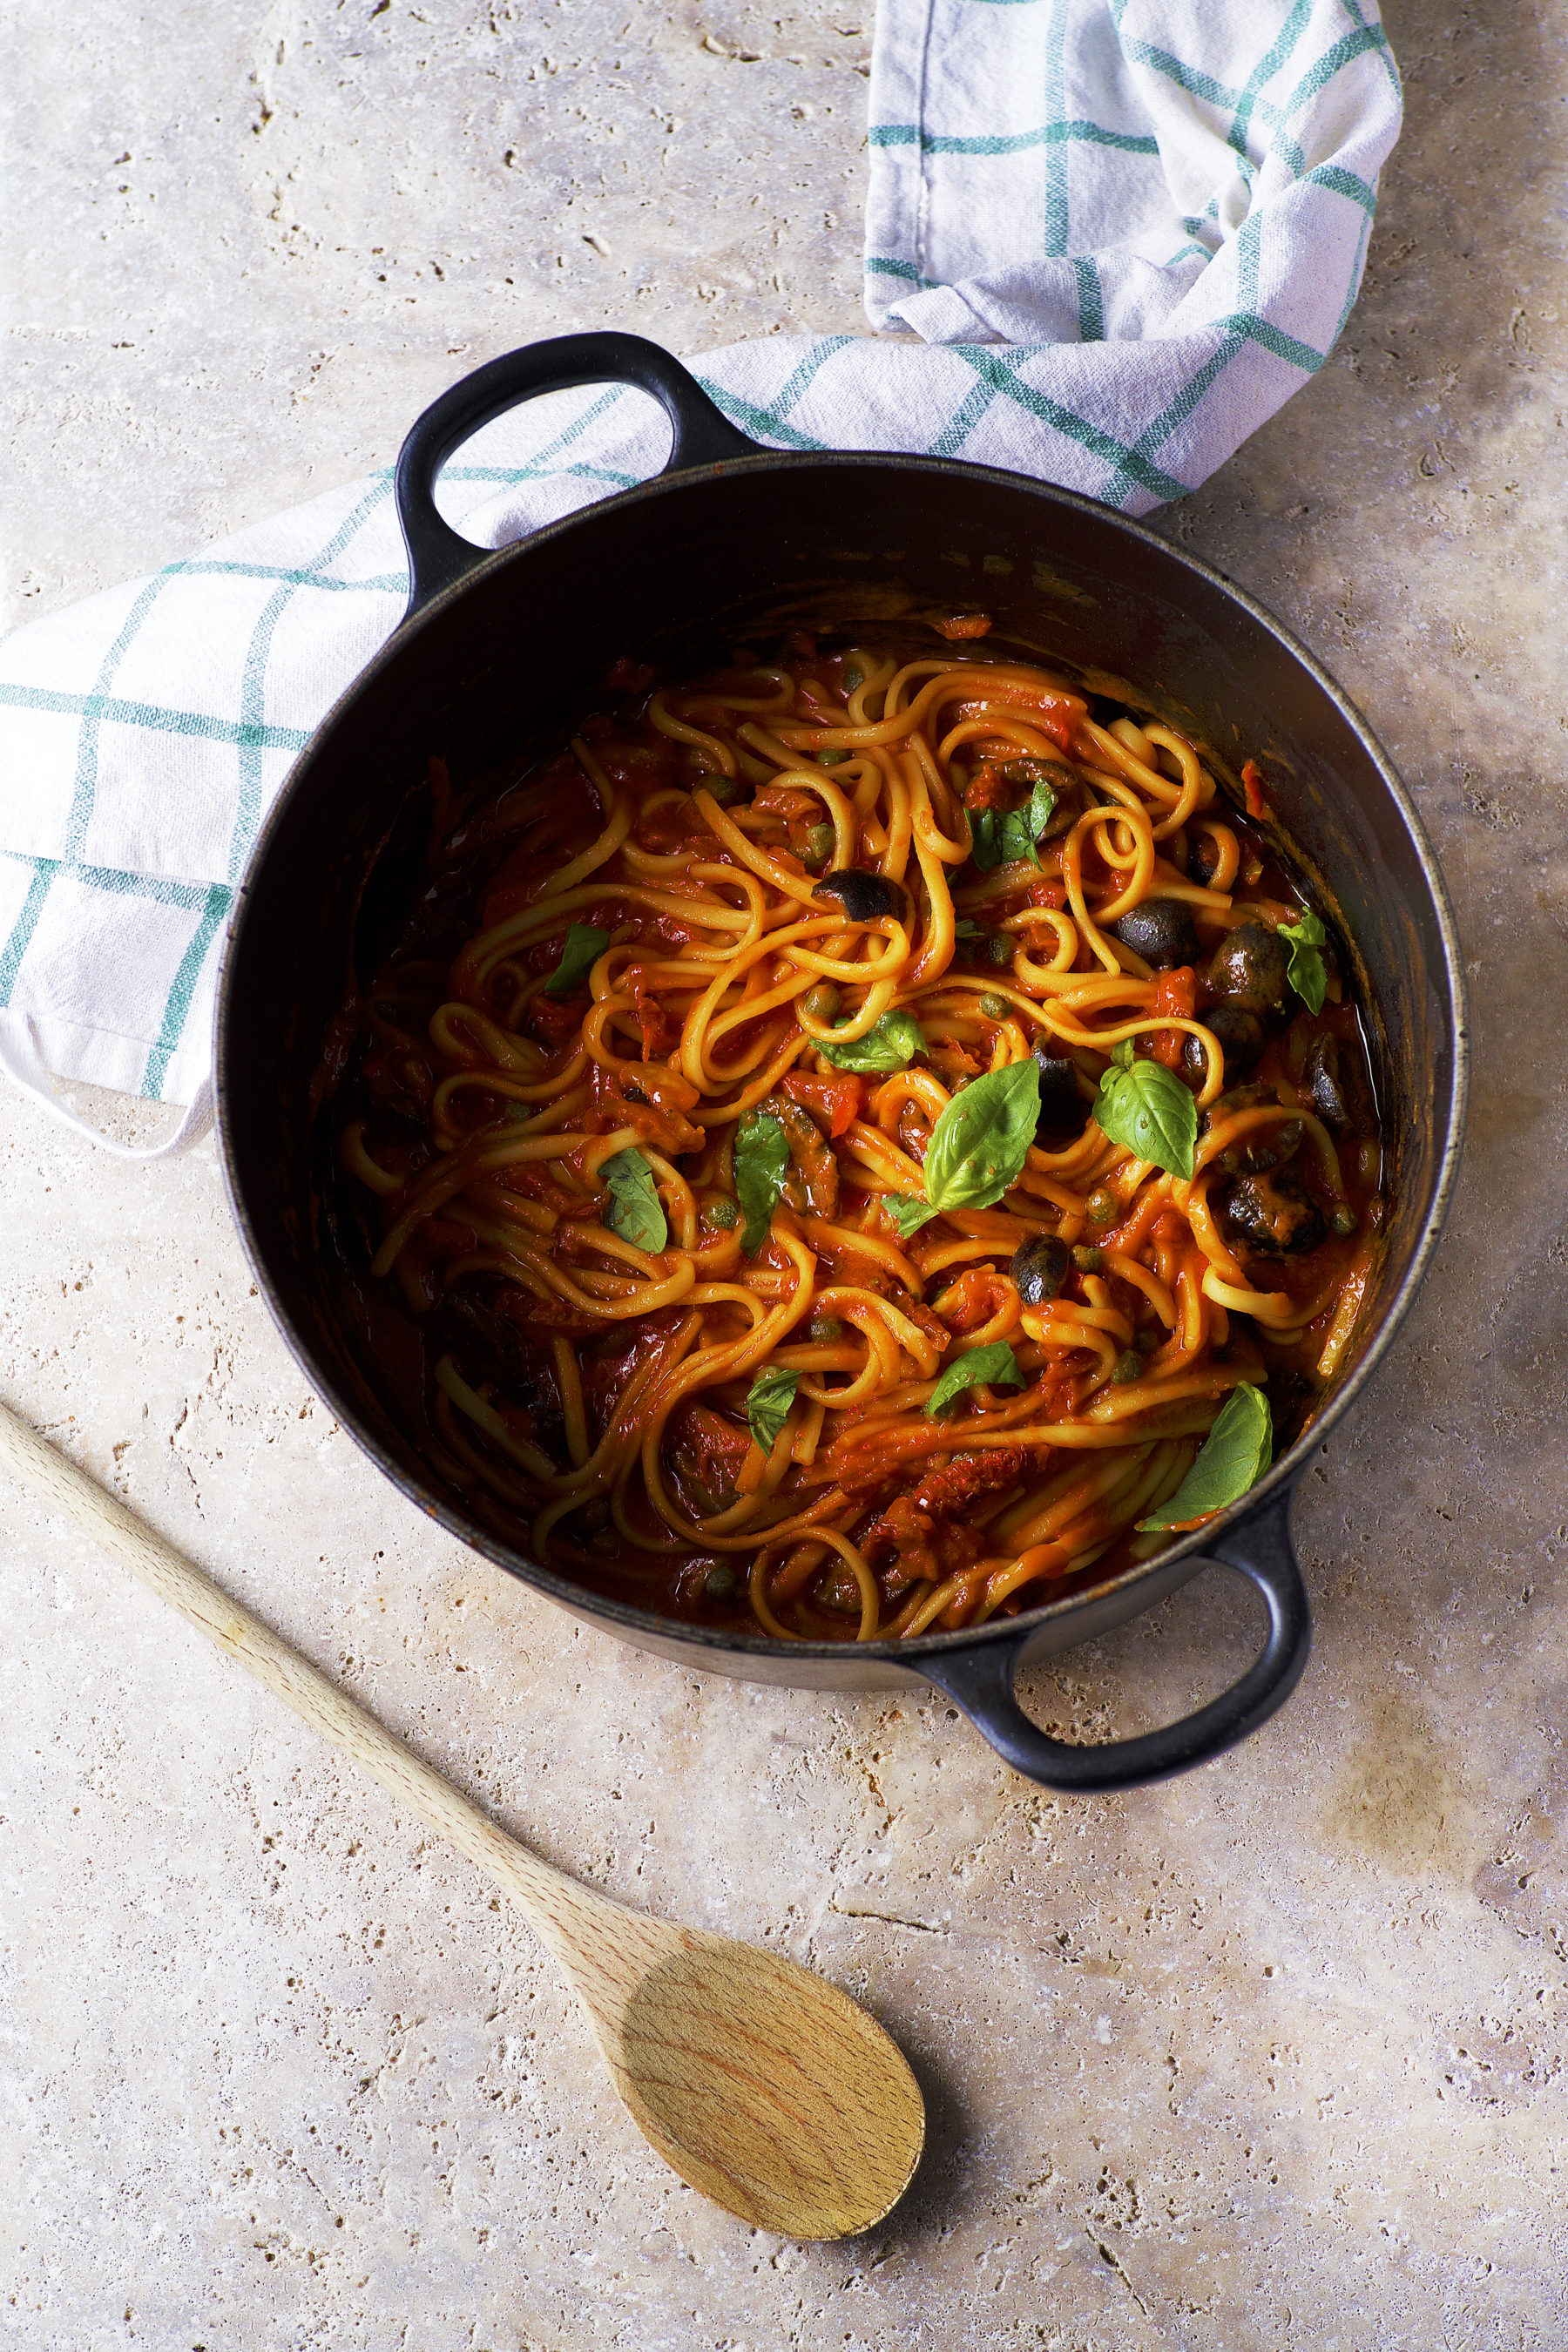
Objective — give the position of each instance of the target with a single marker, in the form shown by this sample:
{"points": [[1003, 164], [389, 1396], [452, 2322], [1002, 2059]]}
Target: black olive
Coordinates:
{"points": [[1202, 860], [1249, 968], [1274, 1216], [1161, 931], [865, 897], [1241, 1041], [1063, 1110], [1237, 1098], [1320, 1076], [1039, 1267], [1265, 1147]]}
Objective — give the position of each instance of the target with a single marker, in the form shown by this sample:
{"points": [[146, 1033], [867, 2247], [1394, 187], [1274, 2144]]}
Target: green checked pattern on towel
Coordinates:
{"points": [[1116, 234]]}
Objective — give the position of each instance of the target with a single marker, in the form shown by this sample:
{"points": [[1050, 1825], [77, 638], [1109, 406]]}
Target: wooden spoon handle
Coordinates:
{"points": [[543, 1894]]}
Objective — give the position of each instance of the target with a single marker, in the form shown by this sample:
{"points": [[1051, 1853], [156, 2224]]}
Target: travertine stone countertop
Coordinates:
{"points": [[1273, 2056]]}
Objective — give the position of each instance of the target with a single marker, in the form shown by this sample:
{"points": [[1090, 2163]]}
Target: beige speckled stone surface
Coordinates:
{"points": [[1277, 2056]]}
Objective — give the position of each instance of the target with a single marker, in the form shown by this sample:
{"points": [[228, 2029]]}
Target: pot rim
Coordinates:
{"points": [[619, 1616]]}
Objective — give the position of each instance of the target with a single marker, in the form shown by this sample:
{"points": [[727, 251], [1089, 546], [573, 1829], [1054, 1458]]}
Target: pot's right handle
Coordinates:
{"points": [[980, 1680], [439, 557]]}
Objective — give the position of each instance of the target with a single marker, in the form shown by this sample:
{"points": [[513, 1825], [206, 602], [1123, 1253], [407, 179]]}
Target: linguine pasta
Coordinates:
{"points": [[840, 1133]]}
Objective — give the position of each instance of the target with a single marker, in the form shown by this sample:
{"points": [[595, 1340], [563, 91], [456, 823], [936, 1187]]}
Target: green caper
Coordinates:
{"points": [[1129, 1366], [1343, 1222], [825, 1329], [818, 848], [1102, 1204], [722, 1215], [998, 949], [726, 789], [994, 1008], [1087, 1258], [719, 1584], [831, 758], [821, 1003], [839, 1591], [852, 681]]}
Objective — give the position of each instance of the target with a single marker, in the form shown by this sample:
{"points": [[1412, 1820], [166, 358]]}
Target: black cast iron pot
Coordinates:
{"points": [[494, 651]]}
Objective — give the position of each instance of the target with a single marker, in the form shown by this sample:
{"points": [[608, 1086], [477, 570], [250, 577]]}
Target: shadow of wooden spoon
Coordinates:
{"points": [[764, 2088]]}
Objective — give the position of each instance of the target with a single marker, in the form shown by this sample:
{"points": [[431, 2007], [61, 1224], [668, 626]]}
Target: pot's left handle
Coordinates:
{"points": [[437, 556], [980, 1679]]}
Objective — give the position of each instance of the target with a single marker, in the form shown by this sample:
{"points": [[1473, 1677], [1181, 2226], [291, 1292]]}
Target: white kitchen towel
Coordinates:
{"points": [[1123, 232]]}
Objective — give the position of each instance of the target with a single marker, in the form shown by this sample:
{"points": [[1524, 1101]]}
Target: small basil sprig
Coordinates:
{"points": [[982, 1139], [635, 1212], [907, 1214], [585, 946], [768, 1401], [1236, 1452], [1306, 970], [993, 1367], [998, 839], [761, 1162], [1145, 1106], [890, 1043]]}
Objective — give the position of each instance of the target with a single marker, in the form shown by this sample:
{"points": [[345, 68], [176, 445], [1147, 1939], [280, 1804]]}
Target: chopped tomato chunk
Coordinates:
{"points": [[1175, 994], [834, 1102]]}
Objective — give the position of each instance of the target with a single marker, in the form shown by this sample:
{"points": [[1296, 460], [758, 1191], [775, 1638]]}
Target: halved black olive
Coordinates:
{"points": [[1274, 1216], [1241, 1041], [1249, 967], [1265, 1147], [1320, 1076], [1039, 1266], [1235, 1098], [1064, 1113], [865, 897], [1161, 931]]}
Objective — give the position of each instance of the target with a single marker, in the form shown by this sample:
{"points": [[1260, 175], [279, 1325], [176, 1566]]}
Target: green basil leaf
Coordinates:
{"points": [[1306, 970], [1236, 1452], [1000, 837], [907, 1214], [636, 1211], [1145, 1106], [761, 1162], [890, 1043], [767, 1405], [966, 930], [585, 946], [1042, 801], [1008, 839], [979, 1144], [995, 1366]]}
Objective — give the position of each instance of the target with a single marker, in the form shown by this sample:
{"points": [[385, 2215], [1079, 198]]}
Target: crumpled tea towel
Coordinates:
{"points": [[1123, 233]]}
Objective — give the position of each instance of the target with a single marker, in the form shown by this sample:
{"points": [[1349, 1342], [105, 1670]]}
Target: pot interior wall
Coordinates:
{"points": [[665, 572]]}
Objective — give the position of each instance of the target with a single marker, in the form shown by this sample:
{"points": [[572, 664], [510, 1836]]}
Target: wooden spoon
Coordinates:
{"points": [[766, 2088]]}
